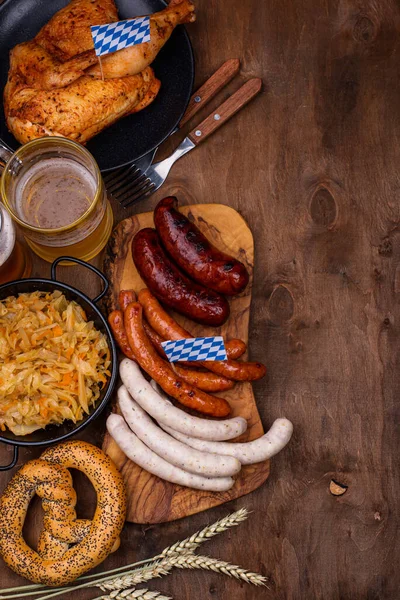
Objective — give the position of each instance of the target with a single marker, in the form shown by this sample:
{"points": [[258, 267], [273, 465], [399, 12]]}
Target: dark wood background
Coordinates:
{"points": [[313, 166]]}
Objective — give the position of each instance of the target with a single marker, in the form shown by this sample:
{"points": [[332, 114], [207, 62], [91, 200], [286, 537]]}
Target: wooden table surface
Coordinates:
{"points": [[313, 166]]}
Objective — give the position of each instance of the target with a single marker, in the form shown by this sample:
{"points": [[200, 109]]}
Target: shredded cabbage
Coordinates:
{"points": [[53, 362]]}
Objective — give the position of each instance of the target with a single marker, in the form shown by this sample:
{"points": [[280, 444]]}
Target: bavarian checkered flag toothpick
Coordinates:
{"points": [[122, 34], [201, 348]]}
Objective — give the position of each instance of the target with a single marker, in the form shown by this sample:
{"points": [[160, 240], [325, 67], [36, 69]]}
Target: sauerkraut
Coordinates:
{"points": [[53, 362]]}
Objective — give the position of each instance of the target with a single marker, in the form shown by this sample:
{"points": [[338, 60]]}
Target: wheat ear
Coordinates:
{"points": [[140, 575], [194, 561], [192, 542], [181, 561], [133, 594]]}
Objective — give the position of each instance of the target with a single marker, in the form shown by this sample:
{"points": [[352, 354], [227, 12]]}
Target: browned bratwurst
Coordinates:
{"points": [[204, 380], [116, 322], [171, 286], [169, 329], [125, 297], [194, 254], [161, 372]]}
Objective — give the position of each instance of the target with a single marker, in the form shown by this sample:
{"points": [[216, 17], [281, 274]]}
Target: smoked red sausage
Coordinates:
{"points": [[171, 286], [204, 380], [125, 297], [165, 326], [171, 330], [116, 321], [194, 254], [161, 372]]}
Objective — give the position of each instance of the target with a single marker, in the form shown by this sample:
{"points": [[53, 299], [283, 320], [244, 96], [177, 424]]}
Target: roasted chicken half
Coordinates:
{"points": [[57, 86]]}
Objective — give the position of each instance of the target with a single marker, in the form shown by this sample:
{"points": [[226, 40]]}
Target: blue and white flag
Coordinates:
{"points": [[201, 348], [122, 34]]}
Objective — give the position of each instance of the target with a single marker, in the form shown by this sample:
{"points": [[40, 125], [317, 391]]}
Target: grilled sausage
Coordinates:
{"points": [[171, 286], [160, 370], [125, 297], [116, 321], [194, 254], [169, 329], [206, 381]]}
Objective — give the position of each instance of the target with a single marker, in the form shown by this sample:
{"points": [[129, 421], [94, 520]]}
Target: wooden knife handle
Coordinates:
{"points": [[210, 88], [224, 112]]}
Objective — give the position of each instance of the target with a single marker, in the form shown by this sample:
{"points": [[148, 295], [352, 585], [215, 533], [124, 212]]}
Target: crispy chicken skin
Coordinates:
{"points": [[68, 31], [55, 85]]}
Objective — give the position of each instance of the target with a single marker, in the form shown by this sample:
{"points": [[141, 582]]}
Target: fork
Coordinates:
{"points": [[117, 180], [140, 186]]}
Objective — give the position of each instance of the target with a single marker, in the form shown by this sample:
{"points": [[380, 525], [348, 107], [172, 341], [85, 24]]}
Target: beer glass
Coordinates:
{"points": [[53, 189], [15, 260]]}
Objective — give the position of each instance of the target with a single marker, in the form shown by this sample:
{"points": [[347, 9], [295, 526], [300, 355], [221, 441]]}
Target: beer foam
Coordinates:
{"points": [[7, 235]]}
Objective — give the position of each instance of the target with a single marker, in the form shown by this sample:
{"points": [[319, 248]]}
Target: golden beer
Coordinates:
{"points": [[53, 189]]}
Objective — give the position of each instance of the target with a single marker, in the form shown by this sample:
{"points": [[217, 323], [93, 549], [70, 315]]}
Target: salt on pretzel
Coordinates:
{"points": [[55, 563]]}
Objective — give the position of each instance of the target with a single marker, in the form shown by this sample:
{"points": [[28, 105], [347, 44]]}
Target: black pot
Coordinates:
{"points": [[58, 433]]}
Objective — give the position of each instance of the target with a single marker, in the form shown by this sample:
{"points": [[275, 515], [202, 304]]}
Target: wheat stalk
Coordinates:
{"points": [[193, 561], [132, 594], [140, 575], [192, 542], [181, 561]]}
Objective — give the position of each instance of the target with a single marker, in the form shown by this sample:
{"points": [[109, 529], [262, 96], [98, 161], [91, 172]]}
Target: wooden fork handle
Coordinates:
{"points": [[210, 88], [224, 112]]}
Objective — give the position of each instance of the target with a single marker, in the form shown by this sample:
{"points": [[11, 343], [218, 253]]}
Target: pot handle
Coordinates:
{"points": [[83, 264], [13, 462]]}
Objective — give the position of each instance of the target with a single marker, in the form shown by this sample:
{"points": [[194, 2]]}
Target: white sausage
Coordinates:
{"points": [[248, 453], [178, 454], [164, 412], [135, 450]]}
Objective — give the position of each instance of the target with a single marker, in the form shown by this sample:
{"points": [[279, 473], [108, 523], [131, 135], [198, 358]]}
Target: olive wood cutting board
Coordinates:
{"points": [[150, 499]]}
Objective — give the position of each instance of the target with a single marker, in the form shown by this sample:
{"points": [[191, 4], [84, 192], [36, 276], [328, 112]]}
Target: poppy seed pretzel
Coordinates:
{"points": [[55, 563]]}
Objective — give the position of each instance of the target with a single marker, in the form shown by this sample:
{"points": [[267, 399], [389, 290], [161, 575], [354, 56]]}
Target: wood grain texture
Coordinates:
{"points": [[313, 165], [226, 110], [210, 88], [150, 499]]}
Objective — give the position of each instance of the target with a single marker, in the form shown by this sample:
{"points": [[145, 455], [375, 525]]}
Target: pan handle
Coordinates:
{"points": [[13, 462], [83, 264]]}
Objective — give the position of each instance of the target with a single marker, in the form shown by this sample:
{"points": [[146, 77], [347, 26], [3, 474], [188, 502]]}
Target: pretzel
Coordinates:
{"points": [[55, 563]]}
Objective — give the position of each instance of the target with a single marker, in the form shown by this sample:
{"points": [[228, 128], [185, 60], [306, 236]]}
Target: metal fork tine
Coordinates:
{"points": [[128, 179], [148, 190], [114, 176], [113, 185], [132, 194], [137, 183], [129, 185]]}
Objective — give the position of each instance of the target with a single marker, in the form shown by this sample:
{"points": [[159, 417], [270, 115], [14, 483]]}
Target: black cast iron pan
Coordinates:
{"points": [[135, 135]]}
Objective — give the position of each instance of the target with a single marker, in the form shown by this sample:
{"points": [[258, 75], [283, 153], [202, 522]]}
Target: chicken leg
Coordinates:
{"points": [[134, 59]]}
